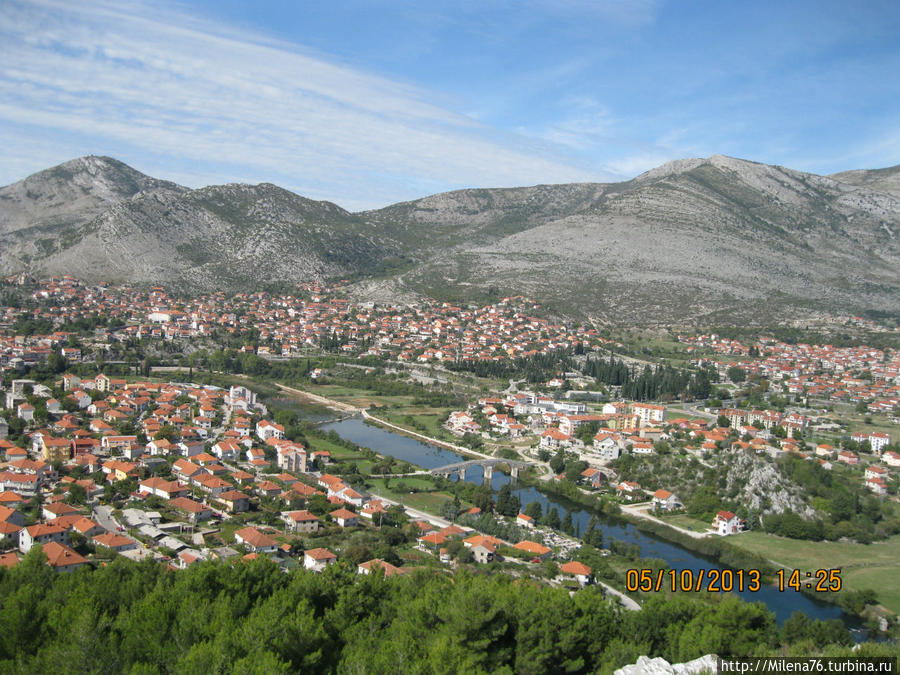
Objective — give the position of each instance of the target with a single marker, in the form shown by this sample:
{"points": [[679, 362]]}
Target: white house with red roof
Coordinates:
{"points": [[649, 413], [876, 485], [317, 559], [42, 533], [664, 500], [266, 430], [554, 438], [726, 523], [578, 571]]}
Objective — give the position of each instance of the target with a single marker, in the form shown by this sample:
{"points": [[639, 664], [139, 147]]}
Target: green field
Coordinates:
{"points": [[687, 522], [428, 423], [399, 490], [875, 566]]}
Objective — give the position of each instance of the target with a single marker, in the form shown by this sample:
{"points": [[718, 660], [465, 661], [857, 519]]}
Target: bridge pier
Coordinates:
{"points": [[462, 473], [488, 473], [513, 472]]}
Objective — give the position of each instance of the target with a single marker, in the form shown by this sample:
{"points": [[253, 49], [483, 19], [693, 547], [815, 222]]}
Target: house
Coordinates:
{"points": [[877, 485], [116, 542], [256, 541], [24, 484], [234, 501], [210, 484], [523, 520], [62, 558], [376, 565], [190, 448], [848, 457], [726, 523], [606, 445], [54, 511], [317, 559], [194, 510], [593, 477], [25, 411], [648, 413], [578, 571], [878, 440], [373, 509], [167, 489], [534, 549], [351, 496], [227, 451], [891, 458], [875, 471], [266, 430], [87, 528], [121, 443], [301, 521], [55, 449], [292, 457], [186, 470], [628, 487], [42, 534], [484, 552], [554, 438], [824, 450], [345, 518], [256, 456], [267, 488], [664, 500]]}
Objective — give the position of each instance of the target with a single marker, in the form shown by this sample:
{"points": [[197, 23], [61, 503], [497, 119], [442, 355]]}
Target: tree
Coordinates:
{"points": [[736, 374], [552, 518], [508, 504], [482, 499], [76, 494], [450, 509], [533, 510], [558, 462], [167, 432], [568, 526], [723, 421]]}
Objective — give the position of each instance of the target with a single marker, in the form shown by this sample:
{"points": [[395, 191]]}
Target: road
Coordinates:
{"points": [[103, 516], [415, 514], [641, 512], [627, 602]]}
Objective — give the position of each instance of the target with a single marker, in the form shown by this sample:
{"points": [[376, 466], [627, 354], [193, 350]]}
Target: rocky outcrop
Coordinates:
{"points": [[659, 666], [761, 487]]}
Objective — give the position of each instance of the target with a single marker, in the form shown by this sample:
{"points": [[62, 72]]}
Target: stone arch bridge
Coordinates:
{"points": [[486, 464]]}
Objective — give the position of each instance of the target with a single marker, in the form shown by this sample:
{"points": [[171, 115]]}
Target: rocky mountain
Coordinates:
{"points": [[882, 180], [688, 239], [692, 238], [99, 219]]}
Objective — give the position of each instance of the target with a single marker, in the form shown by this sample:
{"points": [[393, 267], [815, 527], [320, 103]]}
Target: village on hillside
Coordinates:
{"points": [[98, 465]]}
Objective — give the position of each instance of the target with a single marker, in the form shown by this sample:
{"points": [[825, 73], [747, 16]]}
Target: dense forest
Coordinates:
{"points": [[251, 617], [651, 384]]}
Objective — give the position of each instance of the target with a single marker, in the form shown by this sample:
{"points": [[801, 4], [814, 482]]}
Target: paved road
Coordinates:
{"points": [[103, 516], [627, 602]]}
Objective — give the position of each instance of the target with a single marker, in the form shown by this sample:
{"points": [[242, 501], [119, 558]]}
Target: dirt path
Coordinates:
{"points": [[641, 512]]}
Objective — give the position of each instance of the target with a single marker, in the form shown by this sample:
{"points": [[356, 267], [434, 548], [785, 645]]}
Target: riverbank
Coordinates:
{"points": [[655, 539], [641, 511], [346, 408]]}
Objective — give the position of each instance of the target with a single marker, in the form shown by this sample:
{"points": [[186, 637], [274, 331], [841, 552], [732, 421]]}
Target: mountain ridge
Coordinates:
{"points": [[688, 238]]}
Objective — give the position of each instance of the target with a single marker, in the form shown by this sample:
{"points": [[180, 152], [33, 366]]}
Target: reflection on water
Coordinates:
{"points": [[678, 558]]}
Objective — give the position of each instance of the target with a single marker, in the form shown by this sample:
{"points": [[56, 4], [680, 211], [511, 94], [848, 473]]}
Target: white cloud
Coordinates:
{"points": [[163, 84]]}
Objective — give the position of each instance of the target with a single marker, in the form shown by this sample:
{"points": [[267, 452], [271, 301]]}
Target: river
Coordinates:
{"points": [[783, 604]]}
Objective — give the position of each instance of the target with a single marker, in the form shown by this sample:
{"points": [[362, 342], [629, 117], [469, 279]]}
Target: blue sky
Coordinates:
{"points": [[369, 103]]}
